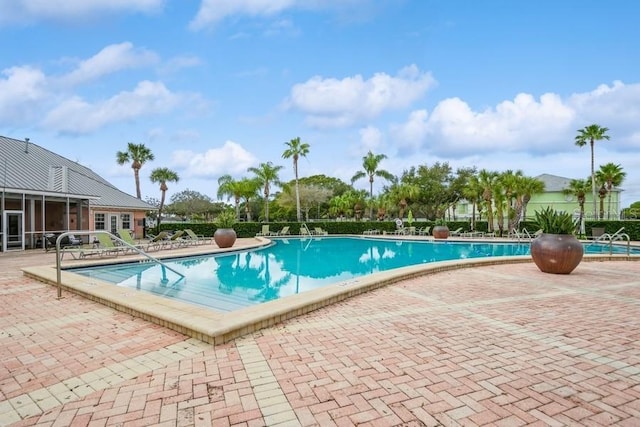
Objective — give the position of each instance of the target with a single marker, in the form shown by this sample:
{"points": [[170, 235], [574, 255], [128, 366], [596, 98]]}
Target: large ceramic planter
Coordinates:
{"points": [[556, 253], [224, 237], [440, 232]]}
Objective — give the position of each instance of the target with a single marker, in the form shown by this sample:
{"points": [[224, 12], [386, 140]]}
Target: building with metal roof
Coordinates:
{"points": [[42, 193]]}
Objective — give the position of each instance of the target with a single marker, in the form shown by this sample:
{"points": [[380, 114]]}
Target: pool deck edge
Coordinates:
{"points": [[217, 327]]}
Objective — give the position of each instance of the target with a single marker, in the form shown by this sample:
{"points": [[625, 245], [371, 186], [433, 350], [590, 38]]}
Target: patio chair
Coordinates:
{"points": [[304, 231], [80, 252], [264, 231], [319, 231], [71, 240], [283, 232], [596, 233], [107, 247], [401, 231], [424, 231], [158, 242], [126, 236], [67, 241], [198, 239], [456, 232], [177, 240]]}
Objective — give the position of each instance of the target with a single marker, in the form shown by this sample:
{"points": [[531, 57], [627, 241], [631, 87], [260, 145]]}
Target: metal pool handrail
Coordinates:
{"points": [[119, 240], [610, 238]]}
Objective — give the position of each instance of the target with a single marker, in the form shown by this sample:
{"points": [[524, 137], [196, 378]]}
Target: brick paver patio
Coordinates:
{"points": [[498, 345]]}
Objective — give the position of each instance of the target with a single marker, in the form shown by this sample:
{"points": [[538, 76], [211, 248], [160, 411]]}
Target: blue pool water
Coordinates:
{"points": [[227, 282]]}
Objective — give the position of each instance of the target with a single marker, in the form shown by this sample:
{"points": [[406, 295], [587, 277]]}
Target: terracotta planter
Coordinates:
{"points": [[440, 232], [224, 237], [556, 253]]}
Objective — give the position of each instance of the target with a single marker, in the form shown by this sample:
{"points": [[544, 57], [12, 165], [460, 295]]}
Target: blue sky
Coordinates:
{"points": [[213, 87]]}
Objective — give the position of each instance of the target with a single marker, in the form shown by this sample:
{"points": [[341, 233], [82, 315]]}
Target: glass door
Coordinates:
{"points": [[13, 231], [113, 224]]}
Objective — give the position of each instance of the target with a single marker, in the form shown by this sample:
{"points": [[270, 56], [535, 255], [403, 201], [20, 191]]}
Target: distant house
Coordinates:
{"points": [[554, 197], [44, 193]]}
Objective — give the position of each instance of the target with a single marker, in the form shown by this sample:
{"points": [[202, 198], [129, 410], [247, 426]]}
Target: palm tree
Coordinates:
{"points": [[528, 187], [340, 205], [611, 175], [370, 164], [591, 134], [163, 175], [578, 188], [138, 155], [510, 182], [602, 193], [500, 202], [402, 194], [227, 186], [473, 193], [248, 188], [267, 174], [488, 180], [295, 150]]}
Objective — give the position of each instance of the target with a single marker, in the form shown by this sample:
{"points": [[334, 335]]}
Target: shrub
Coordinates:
{"points": [[552, 222]]}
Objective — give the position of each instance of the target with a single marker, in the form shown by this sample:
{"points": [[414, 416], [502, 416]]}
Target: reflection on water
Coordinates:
{"points": [[232, 281]]}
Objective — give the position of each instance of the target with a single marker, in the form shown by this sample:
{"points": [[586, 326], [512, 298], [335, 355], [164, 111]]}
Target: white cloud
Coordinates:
{"points": [[77, 116], [29, 96], [332, 103], [282, 27], [371, 139], [22, 90], [231, 159], [179, 63], [454, 128], [25, 11], [113, 58], [213, 11], [616, 107], [535, 135], [411, 134]]}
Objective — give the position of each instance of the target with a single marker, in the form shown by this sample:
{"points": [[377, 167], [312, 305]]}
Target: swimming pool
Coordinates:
{"points": [[228, 282]]}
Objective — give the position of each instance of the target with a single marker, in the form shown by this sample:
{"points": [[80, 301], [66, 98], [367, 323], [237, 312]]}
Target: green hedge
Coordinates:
{"points": [[250, 229]]}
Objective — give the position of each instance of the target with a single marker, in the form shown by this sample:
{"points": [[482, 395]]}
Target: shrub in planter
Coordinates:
{"points": [[556, 250], [440, 229], [225, 236]]}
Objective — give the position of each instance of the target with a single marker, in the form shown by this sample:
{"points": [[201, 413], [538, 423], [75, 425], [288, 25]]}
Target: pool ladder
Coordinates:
{"points": [[610, 238], [304, 227]]}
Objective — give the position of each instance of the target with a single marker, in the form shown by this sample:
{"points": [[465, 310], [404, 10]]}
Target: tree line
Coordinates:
{"points": [[428, 191]]}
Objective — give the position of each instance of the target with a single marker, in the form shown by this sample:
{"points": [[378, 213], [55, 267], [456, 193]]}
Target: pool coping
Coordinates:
{"points": [[219, 327]]}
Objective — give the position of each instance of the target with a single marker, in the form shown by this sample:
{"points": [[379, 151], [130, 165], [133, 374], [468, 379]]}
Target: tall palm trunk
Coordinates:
{"points": [[136, 176], [602, 193], [163, 193], [593, 180], [473, 216], [295, 170], [371, 197], [237, 201], [525, 202], [514, 221], [266, 205], [609, 188], [581, 201]]}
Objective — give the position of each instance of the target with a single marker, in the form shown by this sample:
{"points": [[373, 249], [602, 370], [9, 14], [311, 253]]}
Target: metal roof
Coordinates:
{"points": [[29, 168]]}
